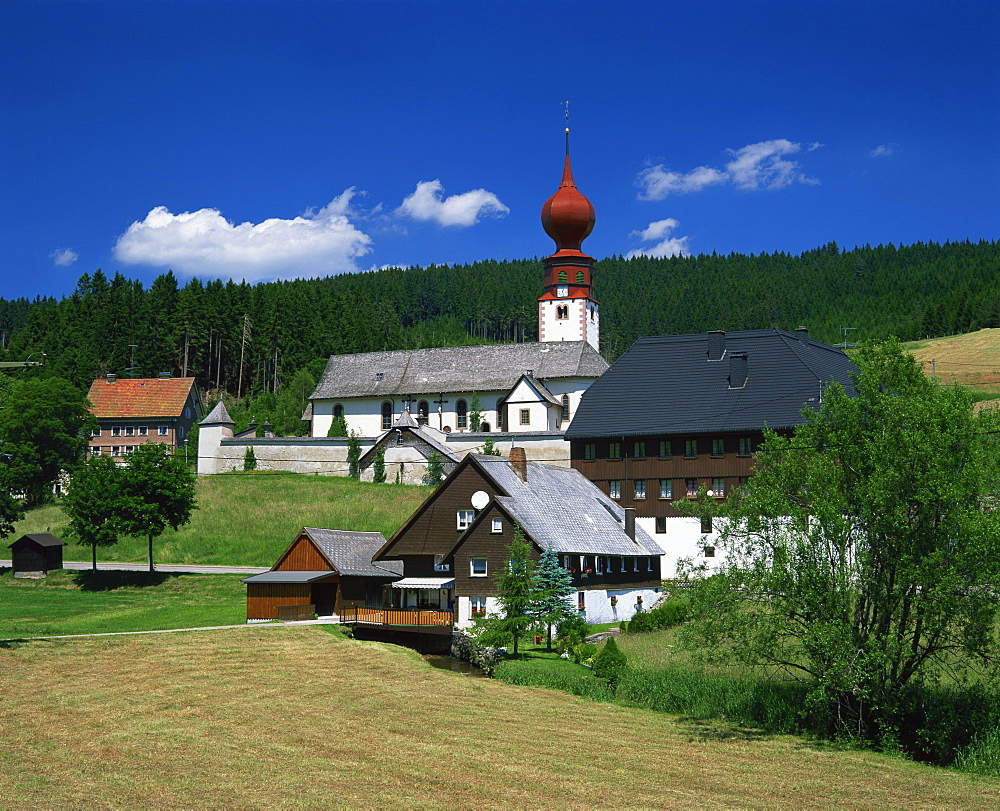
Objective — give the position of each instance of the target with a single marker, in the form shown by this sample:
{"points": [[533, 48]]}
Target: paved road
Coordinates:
{"points": [[113, 566]]}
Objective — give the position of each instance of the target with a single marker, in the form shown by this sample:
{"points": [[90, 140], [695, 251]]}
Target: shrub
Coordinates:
{"points": [[672, 612], [249, 459], [584, 652], [610, 662], [573, 624]]}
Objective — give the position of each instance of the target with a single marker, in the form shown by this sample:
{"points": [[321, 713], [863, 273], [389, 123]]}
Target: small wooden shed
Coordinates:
{"points": [[323, 572], [36, 555]]}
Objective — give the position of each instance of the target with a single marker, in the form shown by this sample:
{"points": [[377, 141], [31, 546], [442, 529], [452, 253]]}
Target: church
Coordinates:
{"points": [[455, 399]]}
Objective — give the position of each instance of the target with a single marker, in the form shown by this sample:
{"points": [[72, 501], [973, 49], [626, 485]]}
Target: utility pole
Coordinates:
{"points": [[243, 345], [131, 369], [843, 331]]}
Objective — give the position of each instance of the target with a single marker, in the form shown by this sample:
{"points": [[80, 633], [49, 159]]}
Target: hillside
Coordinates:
{"points": [[241, 338], [248, 519], [972, 359]]}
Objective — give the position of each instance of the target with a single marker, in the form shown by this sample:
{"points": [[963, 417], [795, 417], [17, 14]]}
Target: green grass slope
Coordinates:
{"points": [[248, 519]]}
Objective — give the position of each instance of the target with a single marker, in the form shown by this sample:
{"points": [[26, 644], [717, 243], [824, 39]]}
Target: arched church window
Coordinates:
{"points": [[338, 411], [562, 312], [500, 419], [562, 277], [423, 412], [386, 415], [484, 427], [579, 277], [461, 414], [565, 410]]}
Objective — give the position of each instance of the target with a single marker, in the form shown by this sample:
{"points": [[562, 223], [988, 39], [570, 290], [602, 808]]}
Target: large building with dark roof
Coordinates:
{"points": [[679, 413]]}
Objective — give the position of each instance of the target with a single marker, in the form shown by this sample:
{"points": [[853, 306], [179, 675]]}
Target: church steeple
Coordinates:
{"points": [[567, 310]]}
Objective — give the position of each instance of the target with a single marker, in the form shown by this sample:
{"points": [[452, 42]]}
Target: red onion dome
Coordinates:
{"points": [[568, 216]]}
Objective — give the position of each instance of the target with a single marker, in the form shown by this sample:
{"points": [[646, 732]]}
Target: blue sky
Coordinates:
{"points": [[265, 140]]}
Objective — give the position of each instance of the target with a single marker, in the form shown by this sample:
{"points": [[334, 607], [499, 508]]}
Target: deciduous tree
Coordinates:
{"points": [[865, 554]]}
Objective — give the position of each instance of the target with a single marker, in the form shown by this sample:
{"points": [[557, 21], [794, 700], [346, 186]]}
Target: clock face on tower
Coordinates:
{"points": [[562, 292]]}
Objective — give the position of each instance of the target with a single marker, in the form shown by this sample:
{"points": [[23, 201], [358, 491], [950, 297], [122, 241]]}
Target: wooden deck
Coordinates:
{"points": [[398, 616]]}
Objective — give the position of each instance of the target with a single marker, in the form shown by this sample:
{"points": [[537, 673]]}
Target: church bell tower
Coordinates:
{"points": [[567, 310]]}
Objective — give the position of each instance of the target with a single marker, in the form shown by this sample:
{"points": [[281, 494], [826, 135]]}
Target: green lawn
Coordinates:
{"points": [[248, 519], [70, 602]]}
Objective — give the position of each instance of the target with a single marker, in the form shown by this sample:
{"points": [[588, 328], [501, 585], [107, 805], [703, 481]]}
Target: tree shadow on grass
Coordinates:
{"points": [[711, 731], [101, 580]]}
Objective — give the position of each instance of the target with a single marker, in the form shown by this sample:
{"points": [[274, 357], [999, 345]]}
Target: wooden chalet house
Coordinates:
{"points": [[133, 411], [454, 546], [676, 414], [324, 571]]}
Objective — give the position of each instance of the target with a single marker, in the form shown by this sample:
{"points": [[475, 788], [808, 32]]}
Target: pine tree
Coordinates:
{"points": [[378, 465], [249, 459], [553, 584], [353, 456], [435, 469]]}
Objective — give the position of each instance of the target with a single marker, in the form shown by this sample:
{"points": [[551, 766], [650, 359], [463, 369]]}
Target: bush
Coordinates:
{"points": [[610, 662], [584, 653], [673, 612], [575, 623]]}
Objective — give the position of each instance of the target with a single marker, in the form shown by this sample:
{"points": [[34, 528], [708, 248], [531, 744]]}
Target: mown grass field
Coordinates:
{"points": [[248, 519], [71, 602], [295, 717], [972, 359]]}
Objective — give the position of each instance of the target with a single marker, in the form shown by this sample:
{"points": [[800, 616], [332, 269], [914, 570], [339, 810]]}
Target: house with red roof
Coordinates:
{"points": [[133, 411]]}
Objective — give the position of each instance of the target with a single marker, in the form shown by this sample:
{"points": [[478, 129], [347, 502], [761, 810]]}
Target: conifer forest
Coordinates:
{"points": [[246, 340]]}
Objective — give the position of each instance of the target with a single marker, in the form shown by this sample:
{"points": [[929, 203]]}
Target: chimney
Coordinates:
{"points": [[738, 370], [630, 522], [519, 462], [112, 377], [716, 344], [802, 333]]}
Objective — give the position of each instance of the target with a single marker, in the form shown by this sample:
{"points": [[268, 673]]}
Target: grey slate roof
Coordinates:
{"points": [[454, 369], [668, 385], [218, 416], [562, 510], [351, 552], [286, 577]]}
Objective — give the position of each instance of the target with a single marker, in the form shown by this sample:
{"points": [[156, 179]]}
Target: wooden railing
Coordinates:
{"points": [[398, 616]]}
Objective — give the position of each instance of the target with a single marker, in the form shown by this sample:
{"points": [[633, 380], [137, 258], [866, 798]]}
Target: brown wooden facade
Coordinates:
{"points": [[332, 594], [713, 459]]}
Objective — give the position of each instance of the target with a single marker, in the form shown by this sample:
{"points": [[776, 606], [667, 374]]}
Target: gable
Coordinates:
{"points": [[432, 529], [302, 556]]}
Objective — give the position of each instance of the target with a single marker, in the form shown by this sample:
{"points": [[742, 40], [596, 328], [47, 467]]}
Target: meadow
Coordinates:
{"points": [[290, 717], [248, 519], [87, 602]]}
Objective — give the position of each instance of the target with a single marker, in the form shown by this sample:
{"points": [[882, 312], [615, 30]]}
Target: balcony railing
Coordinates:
{"points": [[398, 616]]}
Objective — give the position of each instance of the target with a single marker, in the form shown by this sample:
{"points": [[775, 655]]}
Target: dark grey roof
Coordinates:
{"points": [[668, 385], [287, 577], [454, 369], [562, 510], [40, 538], [218, 416], [351, 552]]}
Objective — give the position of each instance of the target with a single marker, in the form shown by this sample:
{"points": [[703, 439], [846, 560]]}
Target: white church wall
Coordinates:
{"points": [[545, 447]]}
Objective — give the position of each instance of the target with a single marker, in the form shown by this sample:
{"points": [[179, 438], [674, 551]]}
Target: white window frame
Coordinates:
{"points": [[143, 430], [497, 525], [477, 606], [161, 430], [116, 430], [463, 518], [95, 451], [129, 430], [472, 568]]}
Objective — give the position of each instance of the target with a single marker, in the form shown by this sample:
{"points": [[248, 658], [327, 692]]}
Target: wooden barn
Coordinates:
{"points": [[36, 555], [324, 572]]}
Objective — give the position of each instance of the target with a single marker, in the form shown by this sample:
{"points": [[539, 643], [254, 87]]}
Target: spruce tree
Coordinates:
{"points": [[553, 584]]}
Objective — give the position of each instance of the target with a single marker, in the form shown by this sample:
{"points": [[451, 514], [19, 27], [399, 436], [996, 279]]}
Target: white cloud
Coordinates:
{"points": [[666, 246], [883, 150], [64, 257], [426, 204], [204, 243], [814, 146], [755, 166], [656, 182]]}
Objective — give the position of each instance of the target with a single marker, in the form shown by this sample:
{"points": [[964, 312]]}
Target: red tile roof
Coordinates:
{"points": [[139, 398]]}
